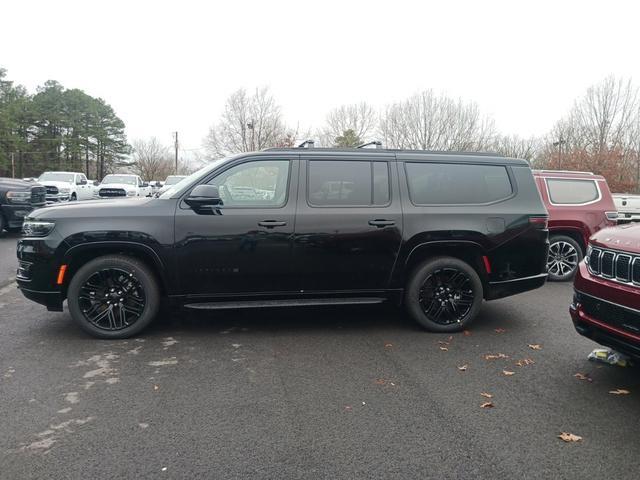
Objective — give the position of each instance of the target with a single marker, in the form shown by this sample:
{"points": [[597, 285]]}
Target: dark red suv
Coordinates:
{"points": [[606, 303], [579, 205]]}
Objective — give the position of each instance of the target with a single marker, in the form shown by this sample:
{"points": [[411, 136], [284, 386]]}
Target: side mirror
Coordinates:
{"points": [[82, 182], [203, 195], [96, 183], [145, 184]]}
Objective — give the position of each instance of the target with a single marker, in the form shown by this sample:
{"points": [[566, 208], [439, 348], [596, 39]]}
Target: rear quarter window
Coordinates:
{"points": [[572, 192], [457, 184]]}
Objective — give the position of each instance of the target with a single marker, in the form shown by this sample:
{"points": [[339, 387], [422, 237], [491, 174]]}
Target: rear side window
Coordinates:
{"points": [[456, 184], [342, 183], [572, 192]]}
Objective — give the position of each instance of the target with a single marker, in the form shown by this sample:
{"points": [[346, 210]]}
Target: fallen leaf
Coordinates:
{"points": [[524, 362], [449, 339], [569, 437], [495, 356], [499, 330], [535, 346], [507, 373], [486, 395], [156, 387], [583, 376], [467, 333], [487, 405], [463, 368], [388, 345], [444, 349], [619, 391], [380, 381], [443, 343], [348, 408]]}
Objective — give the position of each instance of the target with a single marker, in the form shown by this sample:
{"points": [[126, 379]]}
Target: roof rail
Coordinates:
{"points": [[565, 171], [307, 144], [377, 143]]}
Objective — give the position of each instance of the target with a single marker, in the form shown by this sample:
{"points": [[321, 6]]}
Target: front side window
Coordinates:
{"points": [[457, 184], [572, 192], [254, 184], [125, 179], [344, 183]]}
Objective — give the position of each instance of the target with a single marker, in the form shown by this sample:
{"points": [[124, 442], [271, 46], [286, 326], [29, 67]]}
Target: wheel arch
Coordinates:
{"points": [[79, 255], [574, 234]]}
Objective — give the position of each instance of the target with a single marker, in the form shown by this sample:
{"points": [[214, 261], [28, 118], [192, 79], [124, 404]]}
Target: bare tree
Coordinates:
{"points": [[359, 118], [151, 160], [428, 121], [248, 123], [517, 147]]}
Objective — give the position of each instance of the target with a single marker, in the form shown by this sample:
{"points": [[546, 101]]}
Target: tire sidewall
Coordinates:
{"points": [[418, 277], [574, 244], [142, 273]]}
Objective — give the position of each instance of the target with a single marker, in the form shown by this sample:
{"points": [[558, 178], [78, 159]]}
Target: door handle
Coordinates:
{"points": [[271, 223], [381, 223]]}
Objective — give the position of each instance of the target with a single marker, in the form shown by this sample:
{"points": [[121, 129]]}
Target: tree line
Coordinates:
{"points": [[601, 132], [58, 129]]}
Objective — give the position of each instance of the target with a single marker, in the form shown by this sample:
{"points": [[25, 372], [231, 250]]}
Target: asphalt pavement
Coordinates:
{"points": [[8, 261], [313, 393]]}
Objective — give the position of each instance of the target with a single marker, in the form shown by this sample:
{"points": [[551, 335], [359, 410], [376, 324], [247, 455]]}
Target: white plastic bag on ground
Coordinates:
{"points": [[609, 356]]}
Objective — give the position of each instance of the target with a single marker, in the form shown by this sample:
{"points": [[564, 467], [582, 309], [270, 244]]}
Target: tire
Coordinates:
{"points": [[113, 275], [429, 282], [564, 256], [73, 198], [3, 224]]}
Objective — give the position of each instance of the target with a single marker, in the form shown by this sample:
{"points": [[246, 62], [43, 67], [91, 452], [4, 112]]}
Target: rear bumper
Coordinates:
{"points": [[51, 300], [606, 312], [507, 288]]}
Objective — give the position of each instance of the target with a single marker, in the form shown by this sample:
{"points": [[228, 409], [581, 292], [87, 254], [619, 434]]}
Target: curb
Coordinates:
{"points": [[7, 282]]}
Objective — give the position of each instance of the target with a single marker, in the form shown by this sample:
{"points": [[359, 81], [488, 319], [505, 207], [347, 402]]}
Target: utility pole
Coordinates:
{"points": [[251, 126], [13, 165], [176, 145], [559, 144]]}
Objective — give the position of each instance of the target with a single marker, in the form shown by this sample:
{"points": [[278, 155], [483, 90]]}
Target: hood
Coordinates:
{"points": [[624, 237], [124, 186], [90, 208], [54, 183], [9, 183]]}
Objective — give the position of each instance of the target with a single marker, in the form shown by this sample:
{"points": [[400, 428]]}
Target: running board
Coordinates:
{"points": [[302, 302]]}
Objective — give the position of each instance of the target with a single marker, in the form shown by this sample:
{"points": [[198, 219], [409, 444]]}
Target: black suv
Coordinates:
{"points": [[17, 199], [438, 232]]}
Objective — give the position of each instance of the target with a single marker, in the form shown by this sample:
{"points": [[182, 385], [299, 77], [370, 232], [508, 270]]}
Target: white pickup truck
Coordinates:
{"points": [[122, 185], [66, 186], [628, 206]]}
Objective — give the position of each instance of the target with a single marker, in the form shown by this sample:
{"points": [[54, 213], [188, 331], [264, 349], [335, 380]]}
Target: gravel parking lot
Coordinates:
{"points": [[315, 393]]}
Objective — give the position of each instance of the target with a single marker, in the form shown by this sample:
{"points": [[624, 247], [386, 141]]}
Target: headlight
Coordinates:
{"points": [[19, 197], [64, 190], [131, 193], [34, 228]]}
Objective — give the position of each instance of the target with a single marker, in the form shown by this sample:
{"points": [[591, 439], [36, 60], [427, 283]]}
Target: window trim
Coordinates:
{"points": [[510, 177], [244, 161], [367, 160], [594, 180]]}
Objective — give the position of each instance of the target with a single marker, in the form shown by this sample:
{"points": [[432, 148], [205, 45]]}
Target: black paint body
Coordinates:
{"points": [[325, 252]]}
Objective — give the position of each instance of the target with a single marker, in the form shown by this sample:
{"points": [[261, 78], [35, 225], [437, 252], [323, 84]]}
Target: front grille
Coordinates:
{"points": [[51, 190], [613, 265], [112, 192], [615, 315], [38, 195]]}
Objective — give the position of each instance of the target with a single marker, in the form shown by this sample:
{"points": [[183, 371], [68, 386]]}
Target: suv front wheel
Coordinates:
{"points": [[113, 297], [444, 294], [564, 256]]}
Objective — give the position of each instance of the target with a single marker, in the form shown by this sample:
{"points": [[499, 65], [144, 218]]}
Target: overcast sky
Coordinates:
{"points": [[167, 66]]}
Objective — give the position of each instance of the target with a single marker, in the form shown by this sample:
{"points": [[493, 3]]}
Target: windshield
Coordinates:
{"points": [[56, 177], [187, 181], [173, 179], [126, 179]]}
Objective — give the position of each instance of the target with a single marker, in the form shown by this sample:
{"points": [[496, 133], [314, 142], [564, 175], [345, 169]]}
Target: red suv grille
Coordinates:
{"points": [[613, 265]]}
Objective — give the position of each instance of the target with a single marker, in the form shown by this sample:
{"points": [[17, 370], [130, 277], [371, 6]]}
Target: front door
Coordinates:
{"points": [[348, 223], [244, 246]]}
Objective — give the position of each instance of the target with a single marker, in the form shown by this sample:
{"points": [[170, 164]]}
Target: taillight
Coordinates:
{"points": [[541, 223], [613, 216]]}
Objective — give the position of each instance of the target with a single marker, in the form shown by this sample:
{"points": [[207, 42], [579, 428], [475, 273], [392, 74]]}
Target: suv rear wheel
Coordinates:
{"points": [[564, 256], [113, 297], [444, 294]]}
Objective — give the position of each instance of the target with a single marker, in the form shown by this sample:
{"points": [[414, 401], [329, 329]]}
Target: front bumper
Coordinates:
{"points": [[14, 214], [58, 197], [51, 300], [507, 288], [607, 312]]}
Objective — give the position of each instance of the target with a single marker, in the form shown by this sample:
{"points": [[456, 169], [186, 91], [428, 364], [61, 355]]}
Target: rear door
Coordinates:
{"points": [[348, 222]]}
